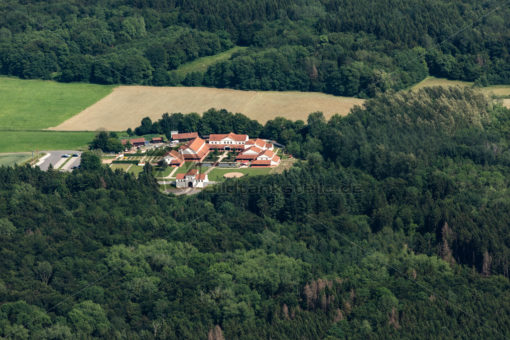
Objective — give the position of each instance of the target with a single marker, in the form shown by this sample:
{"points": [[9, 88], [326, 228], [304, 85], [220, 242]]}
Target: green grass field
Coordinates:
{"points": [[135, 170], [184, 168], [17, 158], [217, 174], [202, 64], [163, 173], [19, 141], [40, 104], [502, 91], [120, 166]]}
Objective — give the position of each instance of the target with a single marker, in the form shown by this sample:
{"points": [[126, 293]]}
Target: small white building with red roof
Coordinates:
{"points": [[173, 158], [260, 143], [195, 150], [191, 179], [227, 141], [250, 154], [258, 157], [134, 141], [184, 136]]}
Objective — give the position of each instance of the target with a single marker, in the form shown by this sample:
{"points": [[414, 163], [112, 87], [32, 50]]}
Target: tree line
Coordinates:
{"points": [[391, 224], [340, 47]]}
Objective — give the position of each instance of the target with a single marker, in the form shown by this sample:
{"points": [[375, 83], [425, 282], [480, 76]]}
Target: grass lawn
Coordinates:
{"points": [[40, 104], [164, 173], [18, 141], [15, 158], [217, 174], [119, 166], [135, 170], [185, 167], [202, 64]]}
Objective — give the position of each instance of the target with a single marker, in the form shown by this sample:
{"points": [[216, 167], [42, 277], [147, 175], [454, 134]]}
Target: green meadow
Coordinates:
{"points": [[40, 104], [18, 141], [202, 64], [217, 173], [14, 158]]}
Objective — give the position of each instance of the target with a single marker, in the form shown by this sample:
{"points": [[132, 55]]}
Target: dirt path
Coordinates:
{"points": [[171, 175], [225, 154]]}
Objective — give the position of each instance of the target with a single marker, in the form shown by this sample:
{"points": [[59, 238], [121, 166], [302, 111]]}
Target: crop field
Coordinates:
{"points": [[15, 158], [18, 141], [127, 105], [39, 104]]}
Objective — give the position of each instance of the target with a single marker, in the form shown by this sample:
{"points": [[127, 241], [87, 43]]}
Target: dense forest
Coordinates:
{"points": [[342, 47], [393, 224]]}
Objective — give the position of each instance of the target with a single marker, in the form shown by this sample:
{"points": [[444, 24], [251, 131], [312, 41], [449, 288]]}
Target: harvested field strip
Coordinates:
{"points": [[127, 105]]}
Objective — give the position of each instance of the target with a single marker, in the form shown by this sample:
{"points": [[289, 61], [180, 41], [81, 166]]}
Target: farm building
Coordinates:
{"points": [[265, 159], [184, 136], [195, 150], [192, 179], [135, 141], [156, 140], [227, 141], [258, 153], [173, 158], [249, 154], [260, 143]]}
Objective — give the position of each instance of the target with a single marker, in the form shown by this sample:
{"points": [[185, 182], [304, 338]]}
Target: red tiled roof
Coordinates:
{"points": [[243, 156], [203, 151], [195, 144], [257, 142], [186, 135], [221, 146], [261, 163], [180, 176], [201, 177], [276, 158], [192, 172], [137, 140], [177, 157], [157, 139], [133, 141], [269, 145], [231, 135], [267, 153], [173, 153]]}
